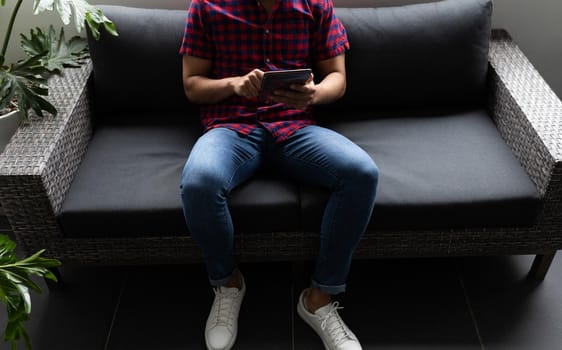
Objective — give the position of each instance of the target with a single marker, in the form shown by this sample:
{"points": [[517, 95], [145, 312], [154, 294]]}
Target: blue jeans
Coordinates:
{"points": [[222, 159]]}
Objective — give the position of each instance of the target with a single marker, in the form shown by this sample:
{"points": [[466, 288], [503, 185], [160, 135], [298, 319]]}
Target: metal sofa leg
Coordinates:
{"points": [[540, 266]]}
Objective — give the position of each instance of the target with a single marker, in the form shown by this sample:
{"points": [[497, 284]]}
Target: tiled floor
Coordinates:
{"points": [[449, 303]]}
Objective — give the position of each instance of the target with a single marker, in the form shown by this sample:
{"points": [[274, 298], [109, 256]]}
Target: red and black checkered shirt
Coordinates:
{"points": [[239, 36]]}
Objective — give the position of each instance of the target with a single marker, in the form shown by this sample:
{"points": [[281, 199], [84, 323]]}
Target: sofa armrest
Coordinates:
{"points": [[527, 112], [39, 163]]}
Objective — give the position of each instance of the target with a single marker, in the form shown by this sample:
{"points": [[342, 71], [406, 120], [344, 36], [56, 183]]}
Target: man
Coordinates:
{"points": [[227, 46]]}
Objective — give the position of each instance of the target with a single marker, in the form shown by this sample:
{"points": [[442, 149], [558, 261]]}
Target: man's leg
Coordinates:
{"points": [[220, 160], [323, 157]]}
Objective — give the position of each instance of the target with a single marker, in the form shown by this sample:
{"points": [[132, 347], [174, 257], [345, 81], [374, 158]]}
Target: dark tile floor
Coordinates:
{"points": [[448, 303]]}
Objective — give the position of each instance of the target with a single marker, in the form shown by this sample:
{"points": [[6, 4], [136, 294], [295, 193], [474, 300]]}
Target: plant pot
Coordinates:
{"points": [[9, 123]]}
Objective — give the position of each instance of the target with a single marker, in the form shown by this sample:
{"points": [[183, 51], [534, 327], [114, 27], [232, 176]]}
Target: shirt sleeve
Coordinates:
{"points": [[329, 38], [197, 39]]}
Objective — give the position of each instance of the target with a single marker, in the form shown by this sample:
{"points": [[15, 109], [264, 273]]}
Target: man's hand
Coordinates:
{"points": [[248, 85], [299, 96]]}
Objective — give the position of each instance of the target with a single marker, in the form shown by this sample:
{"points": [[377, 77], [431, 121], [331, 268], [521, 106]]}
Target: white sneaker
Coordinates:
{"points": [[222, 323], [330, 327]]}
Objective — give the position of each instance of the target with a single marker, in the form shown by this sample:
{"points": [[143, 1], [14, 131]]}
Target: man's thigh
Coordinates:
{"points": [[223, 157], [322, 156]]}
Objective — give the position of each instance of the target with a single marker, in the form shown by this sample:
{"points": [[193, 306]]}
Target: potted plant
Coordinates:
{"points": [[23, 84], [15, 283]]}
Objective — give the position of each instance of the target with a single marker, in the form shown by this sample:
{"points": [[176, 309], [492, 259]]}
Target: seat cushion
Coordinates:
{"points": [[437, 170], [128, 185]]}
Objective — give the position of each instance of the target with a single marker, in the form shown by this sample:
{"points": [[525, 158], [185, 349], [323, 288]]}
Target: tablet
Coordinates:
{"points": [[282, 79]]}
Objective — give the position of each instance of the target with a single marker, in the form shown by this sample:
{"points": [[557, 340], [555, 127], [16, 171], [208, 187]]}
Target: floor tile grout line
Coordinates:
{"points": [[469, 305], [115, 311]]}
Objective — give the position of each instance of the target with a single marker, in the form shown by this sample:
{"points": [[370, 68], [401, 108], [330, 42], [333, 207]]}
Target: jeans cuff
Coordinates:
{"points": [[222, 281], [332, 290]]}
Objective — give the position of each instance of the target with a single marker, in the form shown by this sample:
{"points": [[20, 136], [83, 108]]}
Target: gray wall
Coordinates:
{"points": [[535, 25]]}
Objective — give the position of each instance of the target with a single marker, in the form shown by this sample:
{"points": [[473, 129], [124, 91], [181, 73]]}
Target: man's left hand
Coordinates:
{"points": [[299, 96]]}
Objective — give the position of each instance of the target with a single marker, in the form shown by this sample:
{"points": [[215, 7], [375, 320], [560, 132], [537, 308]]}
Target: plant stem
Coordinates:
{"points": [[9, 32]]}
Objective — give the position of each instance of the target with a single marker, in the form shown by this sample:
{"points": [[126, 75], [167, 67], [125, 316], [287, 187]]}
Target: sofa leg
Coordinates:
{"points": [[540, 266], [52, 285]]}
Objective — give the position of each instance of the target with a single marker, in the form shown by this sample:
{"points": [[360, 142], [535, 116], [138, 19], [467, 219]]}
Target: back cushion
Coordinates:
{"points": [[140, 70], [431, 54]]}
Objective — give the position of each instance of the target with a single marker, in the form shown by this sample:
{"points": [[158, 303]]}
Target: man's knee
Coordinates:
{"points": [[369, 176], [201, 186], [364, 171]]}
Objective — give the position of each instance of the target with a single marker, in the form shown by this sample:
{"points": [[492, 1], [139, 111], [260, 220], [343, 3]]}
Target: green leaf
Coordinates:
{"points": [[42, 5], [33, 46], [24, 292], [20, 277], [7, 247], [25, 83], [15, 283], [83, 13], [55, 52], [95, 19]]}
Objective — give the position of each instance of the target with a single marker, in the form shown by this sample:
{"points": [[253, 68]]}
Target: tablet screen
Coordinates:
{"points": [[282, 79]]}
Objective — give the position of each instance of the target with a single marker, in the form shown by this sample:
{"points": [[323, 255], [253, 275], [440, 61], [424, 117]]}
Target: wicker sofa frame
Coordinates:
{"points": [[38, 166]]}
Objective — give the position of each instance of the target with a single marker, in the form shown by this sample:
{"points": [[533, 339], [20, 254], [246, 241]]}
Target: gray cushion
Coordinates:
{"points": [[128, 185], [432, 54], [437, 169], [140, 70], [416, 55]]}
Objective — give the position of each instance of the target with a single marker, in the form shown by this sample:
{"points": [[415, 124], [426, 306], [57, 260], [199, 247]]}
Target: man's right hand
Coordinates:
{"points": [[201, 89], [248, 85]]}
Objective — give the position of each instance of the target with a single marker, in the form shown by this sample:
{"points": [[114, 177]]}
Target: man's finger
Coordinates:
{"points": [[255, 82]]}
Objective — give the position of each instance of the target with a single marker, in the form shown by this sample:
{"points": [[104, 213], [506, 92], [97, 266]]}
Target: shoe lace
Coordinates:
{"points": [[224, 306], [336, 327]]}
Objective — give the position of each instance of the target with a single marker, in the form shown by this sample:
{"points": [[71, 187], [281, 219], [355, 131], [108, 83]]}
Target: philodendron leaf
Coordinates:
{"points": [[83, 13], [25, 82], [15, 283], [56, 52]]}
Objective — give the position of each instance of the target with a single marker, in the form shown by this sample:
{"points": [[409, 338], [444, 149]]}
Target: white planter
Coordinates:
{"points": [[9, 123]]}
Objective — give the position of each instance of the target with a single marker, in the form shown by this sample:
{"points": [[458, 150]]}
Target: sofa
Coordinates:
{"points": [[465, 132]]}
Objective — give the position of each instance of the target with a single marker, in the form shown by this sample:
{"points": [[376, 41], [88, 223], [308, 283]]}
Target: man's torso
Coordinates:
{"points": [[241, 35]]}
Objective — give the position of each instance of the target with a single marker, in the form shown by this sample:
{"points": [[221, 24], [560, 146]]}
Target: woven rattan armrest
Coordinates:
{"points": [[527, 112], [39, 163], [528, 115]]}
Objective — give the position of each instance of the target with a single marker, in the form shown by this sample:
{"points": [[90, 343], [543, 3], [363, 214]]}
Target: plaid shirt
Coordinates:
{"points": [[239, 36]]}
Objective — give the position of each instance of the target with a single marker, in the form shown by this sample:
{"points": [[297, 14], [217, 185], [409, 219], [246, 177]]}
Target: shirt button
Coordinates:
{"points": [[267, 31], [267, 60]]}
